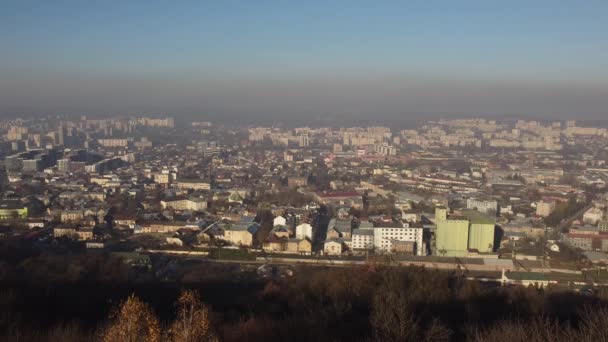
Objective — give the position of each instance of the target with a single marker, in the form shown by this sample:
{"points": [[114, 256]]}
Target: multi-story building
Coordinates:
{"points": [[333, 247], [32, 165], [593, 216], [384, 238], [193, 184], [12, 210], [161, 227], [544, 209], [303, 140], [163, 178], [241, 234], [114, 143], [295, 181], [64, 231], [486, 207], [304, 231], [194, 204], [363, 239], [582, 241], [85, 233], [71, 216], [300, 246]]}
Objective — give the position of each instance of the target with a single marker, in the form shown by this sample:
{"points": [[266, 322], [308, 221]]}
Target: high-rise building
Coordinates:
{"points": [[303, 140], [61, 133], [3, 176]]}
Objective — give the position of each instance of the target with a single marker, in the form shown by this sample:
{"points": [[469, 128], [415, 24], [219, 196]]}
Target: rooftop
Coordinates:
{"points": [[478, 218]]}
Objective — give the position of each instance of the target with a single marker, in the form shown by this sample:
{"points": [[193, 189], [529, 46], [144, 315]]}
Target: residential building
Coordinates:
{"points": [[363, 239], [279, 221], [294, 182], [69, 232], [486, 207], [544, 209], [85, 234], [333, 247], [241, 234], [385, 238], [298, 246], [193, 203], [603, 226], [593, 216], [71, 216], [193, 184], [304, 231], [12, 210]]}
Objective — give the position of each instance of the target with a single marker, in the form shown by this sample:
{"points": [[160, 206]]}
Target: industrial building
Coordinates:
{"points": [[457, 235]]}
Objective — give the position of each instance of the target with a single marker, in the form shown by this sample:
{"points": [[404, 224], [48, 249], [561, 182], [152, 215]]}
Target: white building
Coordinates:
{"points": [[593, 216], [190, 184], [194, 204], [163, 177], [304, 231], [384, 237], [333, 247], [363, 239], [279, 221], [544, 209], [485, 207]]}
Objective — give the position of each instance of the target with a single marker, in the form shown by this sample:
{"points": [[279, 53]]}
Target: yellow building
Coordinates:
{"points": [[12, 210], [333, 247], [301, 246], [274, 245], [64, 231], [84, 234], [239, 237], [239, 234], [72, 216]]}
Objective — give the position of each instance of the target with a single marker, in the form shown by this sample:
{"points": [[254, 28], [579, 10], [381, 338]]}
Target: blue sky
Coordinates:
{"points": [[197, 47]]}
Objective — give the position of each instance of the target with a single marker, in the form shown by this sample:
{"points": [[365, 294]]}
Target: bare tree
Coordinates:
{"points": [[192, 320], [132, 321]]}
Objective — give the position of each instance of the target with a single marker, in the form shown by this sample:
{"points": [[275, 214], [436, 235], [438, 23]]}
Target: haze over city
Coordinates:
{"points": [[284, 60], [361, 171]]}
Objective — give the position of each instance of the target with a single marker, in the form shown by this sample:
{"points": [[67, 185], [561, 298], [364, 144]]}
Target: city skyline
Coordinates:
{"points": [[280, 61]]}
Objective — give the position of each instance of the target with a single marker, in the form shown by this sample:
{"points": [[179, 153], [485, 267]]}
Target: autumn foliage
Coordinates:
{"points": [[191, 323], [132, 321]]}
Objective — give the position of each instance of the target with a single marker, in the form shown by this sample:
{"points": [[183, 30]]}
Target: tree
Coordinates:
{"points": [[132, 321], [192, 320]]}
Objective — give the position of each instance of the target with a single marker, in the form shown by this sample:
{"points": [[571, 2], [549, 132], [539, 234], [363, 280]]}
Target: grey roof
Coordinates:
{"points": [[363, 232], [595, 256], [366, 225]]}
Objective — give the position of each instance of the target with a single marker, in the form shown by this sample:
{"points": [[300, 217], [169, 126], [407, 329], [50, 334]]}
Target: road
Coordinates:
{"points": [[568, 221]]}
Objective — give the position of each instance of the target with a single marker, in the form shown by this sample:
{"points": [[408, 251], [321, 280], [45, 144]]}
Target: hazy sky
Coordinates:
{"points": [[284, 59]]}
